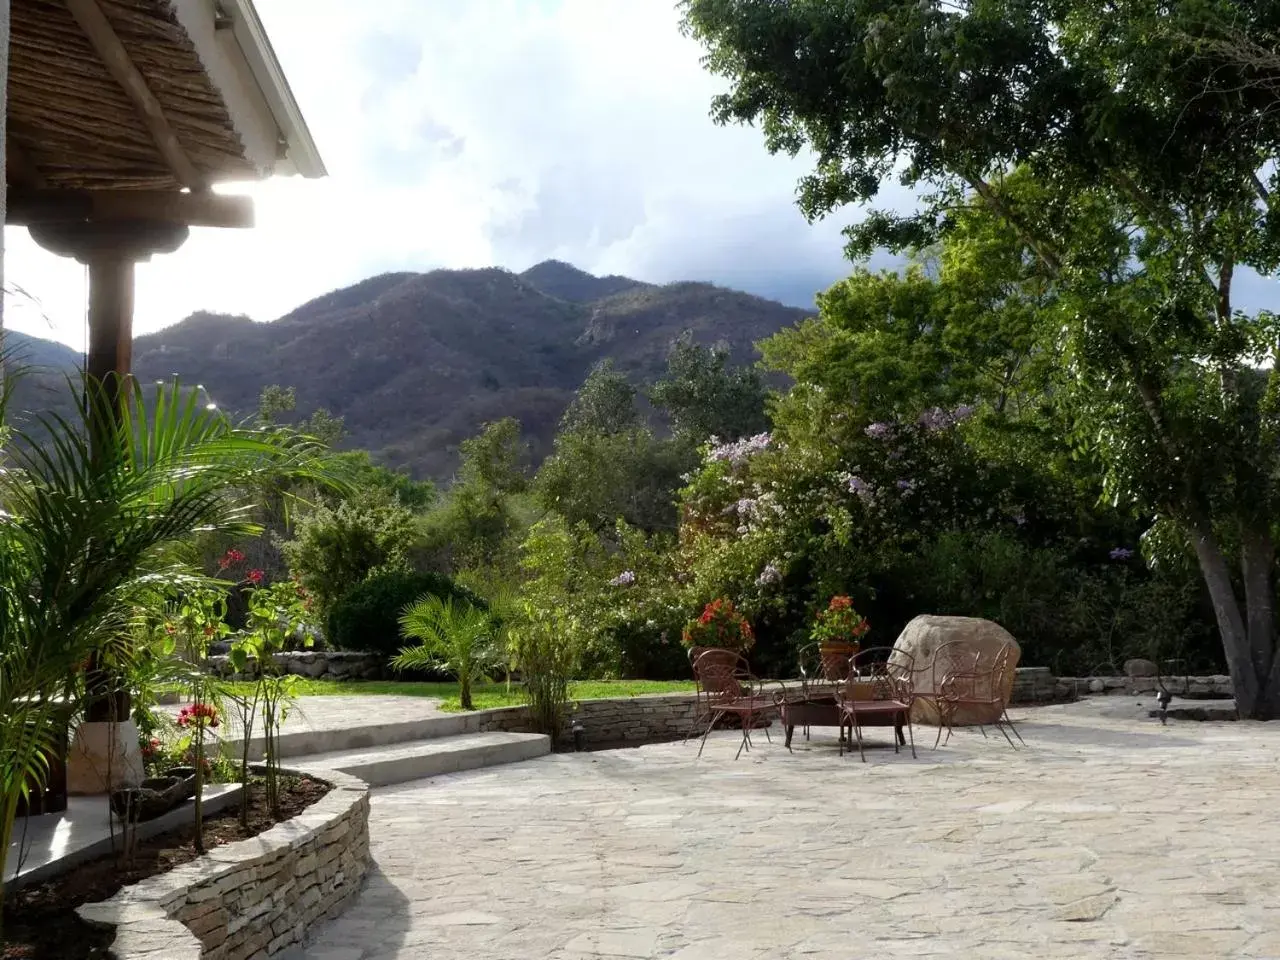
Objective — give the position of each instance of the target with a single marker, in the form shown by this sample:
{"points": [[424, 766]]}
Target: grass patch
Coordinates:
{"points": [[485, 695]]}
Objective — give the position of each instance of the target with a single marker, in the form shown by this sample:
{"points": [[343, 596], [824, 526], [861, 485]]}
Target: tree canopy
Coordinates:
{"points": [[1126, 168]]}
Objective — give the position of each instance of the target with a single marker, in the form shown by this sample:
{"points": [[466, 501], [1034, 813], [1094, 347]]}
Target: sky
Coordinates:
{"points": [[474, 133]]}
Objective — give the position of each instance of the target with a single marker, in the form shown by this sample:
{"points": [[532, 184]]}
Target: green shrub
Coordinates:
{"points": [[367, 617], [336, 547], [546, 652]]}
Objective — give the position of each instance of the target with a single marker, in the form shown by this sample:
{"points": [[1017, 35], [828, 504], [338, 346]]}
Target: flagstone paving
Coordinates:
{"points": [[1109, 836]]}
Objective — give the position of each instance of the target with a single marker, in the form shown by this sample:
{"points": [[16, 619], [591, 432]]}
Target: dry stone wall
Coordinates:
{"points": [[251, 899], [317, 664], [1038, 685], [603, 722]]}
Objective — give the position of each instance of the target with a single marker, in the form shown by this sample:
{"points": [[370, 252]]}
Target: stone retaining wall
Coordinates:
{"points": [[317, 664], [251, 899], [1034, 685], [1038, 685], [643, 719], [1214, 686]]}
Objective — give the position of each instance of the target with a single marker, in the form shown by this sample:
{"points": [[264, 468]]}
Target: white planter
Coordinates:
{"points": [[104, 756]]}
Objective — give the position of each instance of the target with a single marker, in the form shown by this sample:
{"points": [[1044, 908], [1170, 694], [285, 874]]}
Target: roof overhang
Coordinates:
{"points": [[237, 54], [147, 97]]}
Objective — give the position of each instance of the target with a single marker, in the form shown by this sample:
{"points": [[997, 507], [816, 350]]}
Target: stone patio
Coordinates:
{"points": [[1111, 836]]}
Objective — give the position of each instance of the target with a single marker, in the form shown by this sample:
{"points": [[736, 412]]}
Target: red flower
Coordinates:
{"points": [[190, 715], [230, 559], [256, 576], [840, 603]]}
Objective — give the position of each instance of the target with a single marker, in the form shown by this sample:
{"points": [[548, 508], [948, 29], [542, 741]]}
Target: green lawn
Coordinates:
{"points": [[485, 695]]}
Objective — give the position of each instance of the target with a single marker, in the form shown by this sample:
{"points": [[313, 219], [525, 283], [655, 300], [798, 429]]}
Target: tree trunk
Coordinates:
{"points": [[1248, 639]]}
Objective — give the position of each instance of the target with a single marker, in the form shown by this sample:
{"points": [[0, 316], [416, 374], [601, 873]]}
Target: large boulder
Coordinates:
{"points": [[970, 638], [1141, 668]]}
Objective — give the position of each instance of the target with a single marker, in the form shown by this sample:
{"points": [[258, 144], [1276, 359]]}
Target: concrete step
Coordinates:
{"points": [[401, 762], [306, 743]]}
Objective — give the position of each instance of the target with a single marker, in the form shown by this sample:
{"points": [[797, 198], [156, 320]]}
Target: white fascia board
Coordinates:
{"points": [[233, 46]]}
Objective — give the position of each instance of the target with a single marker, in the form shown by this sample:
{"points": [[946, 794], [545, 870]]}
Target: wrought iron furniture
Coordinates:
{"points": [[982, 686], [701, 706], [952, 657], [878, 690], [726, 687]]}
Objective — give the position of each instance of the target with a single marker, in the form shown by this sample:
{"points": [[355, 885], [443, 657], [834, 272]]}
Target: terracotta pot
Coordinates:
{"points": [[835, 656]]}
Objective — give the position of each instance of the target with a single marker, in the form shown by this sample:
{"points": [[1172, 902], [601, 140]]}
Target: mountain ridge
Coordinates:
{"points": [[417, 362]]}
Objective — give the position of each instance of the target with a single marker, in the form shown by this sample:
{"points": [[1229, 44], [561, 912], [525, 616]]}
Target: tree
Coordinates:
{"points": [[599, 478], [494, 458], [1139, 201], [363, 474], [605, 403], [607, 465], [704, 397], [476, 519], [276, 400]]}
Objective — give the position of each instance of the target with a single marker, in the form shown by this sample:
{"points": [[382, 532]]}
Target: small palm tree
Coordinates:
{"points": [[455, 636], [91, 511]]}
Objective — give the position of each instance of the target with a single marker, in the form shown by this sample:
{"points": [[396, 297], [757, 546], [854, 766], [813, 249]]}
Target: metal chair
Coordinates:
{"points": [[980, 687], [952, 657], [878, 689], [701, 707], [727, 687]]}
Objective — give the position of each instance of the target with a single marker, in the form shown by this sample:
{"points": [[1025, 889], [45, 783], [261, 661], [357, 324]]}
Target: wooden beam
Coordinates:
{"points": [[116, 59], [27, 207]]}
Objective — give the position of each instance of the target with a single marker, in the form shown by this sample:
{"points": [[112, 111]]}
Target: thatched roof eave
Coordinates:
{"points": [[148, 95]]}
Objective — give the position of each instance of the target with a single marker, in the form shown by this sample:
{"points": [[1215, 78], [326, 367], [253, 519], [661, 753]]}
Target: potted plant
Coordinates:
{"points": [[838, 630], [720, 626]]}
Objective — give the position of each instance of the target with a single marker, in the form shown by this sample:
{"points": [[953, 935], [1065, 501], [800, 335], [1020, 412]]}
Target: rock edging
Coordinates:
{"points": [[251, 899], [316, 664]]}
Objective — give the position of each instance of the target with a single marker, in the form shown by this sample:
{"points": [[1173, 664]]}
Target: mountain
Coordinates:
{"points": [[556, 278], [416, 362], [31, 351]]}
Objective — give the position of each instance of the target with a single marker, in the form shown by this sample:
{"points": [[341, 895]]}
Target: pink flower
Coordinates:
{"points": [[256, 576]]}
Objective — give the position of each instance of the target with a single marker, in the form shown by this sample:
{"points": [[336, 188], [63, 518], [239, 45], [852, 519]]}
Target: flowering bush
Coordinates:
{"points": [[720, 625], [839, 621], [738, 451], [152, 749]]}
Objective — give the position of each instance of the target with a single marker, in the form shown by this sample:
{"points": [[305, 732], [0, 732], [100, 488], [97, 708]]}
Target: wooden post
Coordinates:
{"points": [[110, 249], [110, 317]]}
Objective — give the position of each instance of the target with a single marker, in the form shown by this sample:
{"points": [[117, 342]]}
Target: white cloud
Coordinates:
{"points": [[478, 132]]}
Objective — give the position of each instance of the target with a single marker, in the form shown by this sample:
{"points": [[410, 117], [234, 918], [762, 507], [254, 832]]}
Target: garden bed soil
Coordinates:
{"points": [[41, 923]]}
